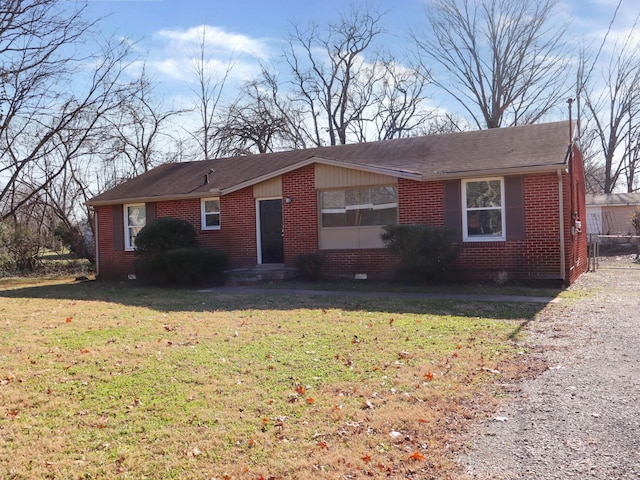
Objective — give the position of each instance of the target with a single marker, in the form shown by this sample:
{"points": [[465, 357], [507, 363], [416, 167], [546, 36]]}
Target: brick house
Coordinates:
{"points": [[514, 195]]}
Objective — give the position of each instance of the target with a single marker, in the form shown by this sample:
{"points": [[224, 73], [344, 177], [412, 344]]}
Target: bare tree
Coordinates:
{"points": [[138, 132], [502, 60], [47, 100], [395, 104], [612, 113], [332, 79], [253, 123], [209, 90]]}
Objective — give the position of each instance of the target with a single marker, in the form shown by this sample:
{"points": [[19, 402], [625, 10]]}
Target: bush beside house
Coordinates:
{"points": [[426, 252], [167, 252]]}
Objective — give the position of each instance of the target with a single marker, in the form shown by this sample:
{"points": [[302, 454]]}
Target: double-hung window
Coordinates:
{"points": [[210, 211], [134, 219], [483, 212]]}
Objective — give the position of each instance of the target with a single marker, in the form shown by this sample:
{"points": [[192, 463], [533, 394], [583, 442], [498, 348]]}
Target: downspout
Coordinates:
{"points": [[574, 214], [96, 241], [561, 216]]}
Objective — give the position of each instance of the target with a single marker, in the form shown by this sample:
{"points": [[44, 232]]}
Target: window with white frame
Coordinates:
{"points": [[483, 209], [135, 218], [359, 207], [210, 208]]}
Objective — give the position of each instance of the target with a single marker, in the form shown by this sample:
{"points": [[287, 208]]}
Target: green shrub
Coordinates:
{"points": [[194, 265], [151, 270], [310, 265], [164, 234], [425, 251]]}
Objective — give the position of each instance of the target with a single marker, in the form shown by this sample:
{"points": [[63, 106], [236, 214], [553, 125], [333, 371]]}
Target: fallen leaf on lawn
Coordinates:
{"points": [[84, 350], [300, 390], [366, 458], [192, 453], [428, 376], [417, 456], [68, 320], [310, 401]]}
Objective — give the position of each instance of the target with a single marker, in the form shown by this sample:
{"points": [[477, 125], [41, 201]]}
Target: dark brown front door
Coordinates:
{"points": [[271, 245]]}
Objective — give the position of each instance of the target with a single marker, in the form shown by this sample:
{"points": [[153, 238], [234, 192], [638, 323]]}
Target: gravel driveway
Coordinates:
{"points": [[580, 418]]}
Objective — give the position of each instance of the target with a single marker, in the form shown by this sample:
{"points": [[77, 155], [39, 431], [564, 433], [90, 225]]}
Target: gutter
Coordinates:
{"points": [[214, 192], [489, 172]]}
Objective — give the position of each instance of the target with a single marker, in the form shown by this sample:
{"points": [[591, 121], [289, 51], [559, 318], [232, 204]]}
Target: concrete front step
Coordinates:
{"points": [[259, 273]]}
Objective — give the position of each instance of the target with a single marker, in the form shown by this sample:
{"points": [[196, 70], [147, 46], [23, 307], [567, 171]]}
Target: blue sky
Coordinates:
{"points": [[165, 32]]}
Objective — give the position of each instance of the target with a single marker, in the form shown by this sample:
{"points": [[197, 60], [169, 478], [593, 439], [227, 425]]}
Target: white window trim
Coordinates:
{"points": [[203, 219], [127, 239], [483, 238]]}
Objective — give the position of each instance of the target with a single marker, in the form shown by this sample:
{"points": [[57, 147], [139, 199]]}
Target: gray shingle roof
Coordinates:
{"points": [[541, 147], [612, 199]]}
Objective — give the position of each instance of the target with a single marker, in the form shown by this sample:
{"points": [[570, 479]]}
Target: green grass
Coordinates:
{"points": [[108, 380]]}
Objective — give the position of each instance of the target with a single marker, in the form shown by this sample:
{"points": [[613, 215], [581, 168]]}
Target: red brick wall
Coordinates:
{"points": [[535, 257], [237, 236], [111, 264], [576, 241], [300, 217], [420, 202], [238, 228]]}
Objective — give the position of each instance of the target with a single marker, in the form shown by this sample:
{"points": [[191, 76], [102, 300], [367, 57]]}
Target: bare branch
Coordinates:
{"points": [[503, 61]]}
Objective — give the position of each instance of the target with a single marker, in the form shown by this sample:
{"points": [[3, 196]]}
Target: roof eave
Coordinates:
{"points": [[214, 192], [327, 161], [495, 172]]}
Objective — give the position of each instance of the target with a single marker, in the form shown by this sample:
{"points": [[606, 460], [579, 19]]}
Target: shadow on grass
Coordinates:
{"points": [[221, 299]]}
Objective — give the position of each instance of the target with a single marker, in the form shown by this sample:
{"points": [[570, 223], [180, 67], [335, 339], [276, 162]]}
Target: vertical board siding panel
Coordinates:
{"points": [[117, 216], [150, 211], [514, 208], [453, 207]]}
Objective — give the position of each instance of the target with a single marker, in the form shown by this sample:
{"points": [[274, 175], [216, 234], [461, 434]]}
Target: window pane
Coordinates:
{"points": [[357, 198], [212, 219], [483, 194], [384, 195], [333, 199], [136, 219], [136, 216], [212, 206], [484, 222]]}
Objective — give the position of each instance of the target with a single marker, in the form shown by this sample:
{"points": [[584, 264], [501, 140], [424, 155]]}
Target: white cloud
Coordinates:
{"points": [[171, 54], [216, 40]]}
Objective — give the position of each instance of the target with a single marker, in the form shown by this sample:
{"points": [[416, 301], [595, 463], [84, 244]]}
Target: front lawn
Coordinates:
{"points": [[111, 380]]}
